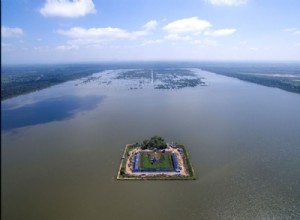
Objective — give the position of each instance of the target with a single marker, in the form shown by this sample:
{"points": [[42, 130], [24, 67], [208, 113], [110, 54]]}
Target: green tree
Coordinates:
{"points": [[154, 142], [122, 171]]}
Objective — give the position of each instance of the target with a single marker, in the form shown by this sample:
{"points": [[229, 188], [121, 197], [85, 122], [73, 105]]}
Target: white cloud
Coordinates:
{"points": [[96, 36], [67, 8], [150, 25], [290, 29], [221, 32], [11, 32], [190, 29], [177, 37], [227, 2], [109, 32], [84, 41], [147, 42], [192, 25], [137, 34], [66, 47]]}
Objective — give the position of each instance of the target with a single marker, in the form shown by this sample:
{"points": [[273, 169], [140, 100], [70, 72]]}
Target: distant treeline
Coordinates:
{"points": [[283, 75], [17, 80], [21, 79]]}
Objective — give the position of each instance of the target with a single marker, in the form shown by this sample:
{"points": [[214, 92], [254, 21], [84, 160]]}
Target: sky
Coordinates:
{"points": [[68, 31]]}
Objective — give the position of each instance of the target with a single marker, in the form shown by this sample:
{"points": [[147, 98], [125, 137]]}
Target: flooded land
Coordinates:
{"points": [[62, 146], [139, 78], [21, 79]]}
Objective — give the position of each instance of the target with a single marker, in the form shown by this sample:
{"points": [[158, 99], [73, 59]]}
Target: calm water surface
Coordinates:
{"points": [[61, 148]]}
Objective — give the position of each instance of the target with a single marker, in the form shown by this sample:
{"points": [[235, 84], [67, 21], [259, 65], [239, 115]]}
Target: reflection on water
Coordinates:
{"points": [[243, 140], [45, 111]]}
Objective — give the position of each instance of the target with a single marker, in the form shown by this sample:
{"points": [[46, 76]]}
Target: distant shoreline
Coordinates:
{"points": [[23, 79]]}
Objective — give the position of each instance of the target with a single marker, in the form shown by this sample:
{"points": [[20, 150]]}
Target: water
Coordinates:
{"points": [[244, 141]]}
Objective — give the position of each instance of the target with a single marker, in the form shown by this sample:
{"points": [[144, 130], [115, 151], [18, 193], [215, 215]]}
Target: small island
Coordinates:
{"points": [[154, 159]]}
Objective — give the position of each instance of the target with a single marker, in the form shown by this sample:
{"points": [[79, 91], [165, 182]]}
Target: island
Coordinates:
{"points": [[154, 159]]}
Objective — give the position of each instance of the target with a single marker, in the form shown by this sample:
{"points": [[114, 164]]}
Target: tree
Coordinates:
{"points": [[145, 144], [154, 142], [122, 171]]}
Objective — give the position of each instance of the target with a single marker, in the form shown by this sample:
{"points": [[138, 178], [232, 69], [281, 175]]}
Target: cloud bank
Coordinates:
{"points": [[102, 35], [151, 25], [189, 29], [67, 8]]}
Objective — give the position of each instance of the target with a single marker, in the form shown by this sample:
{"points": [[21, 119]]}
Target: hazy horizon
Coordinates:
{"points": [[155, 61]]}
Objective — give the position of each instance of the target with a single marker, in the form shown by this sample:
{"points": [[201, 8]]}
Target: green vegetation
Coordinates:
{"points": [[168, 78], [179, 84], [187, 162], [285, 76], [164, 160], [154, 142], [134, 74], [21, 79]]}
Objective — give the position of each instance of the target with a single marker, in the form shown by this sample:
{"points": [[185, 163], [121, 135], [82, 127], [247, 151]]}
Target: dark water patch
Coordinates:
{"points": [[54, 109]]}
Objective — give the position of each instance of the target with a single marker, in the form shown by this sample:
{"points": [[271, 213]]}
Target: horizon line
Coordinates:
{"points": [[150, 61]]}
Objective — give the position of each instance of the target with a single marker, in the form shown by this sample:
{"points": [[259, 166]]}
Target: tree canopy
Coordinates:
{"points": [[154, 142]]}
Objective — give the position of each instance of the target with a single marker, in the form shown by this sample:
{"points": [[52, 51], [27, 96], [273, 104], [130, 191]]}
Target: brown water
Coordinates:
{"points": [[60, 161]]}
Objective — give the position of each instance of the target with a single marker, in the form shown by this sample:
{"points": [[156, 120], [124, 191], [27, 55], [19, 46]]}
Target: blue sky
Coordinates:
{"points": [[64, 31]]}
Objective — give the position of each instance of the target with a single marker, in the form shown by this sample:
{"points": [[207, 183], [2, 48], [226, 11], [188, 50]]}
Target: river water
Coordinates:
{"points": [[61, 149]]}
